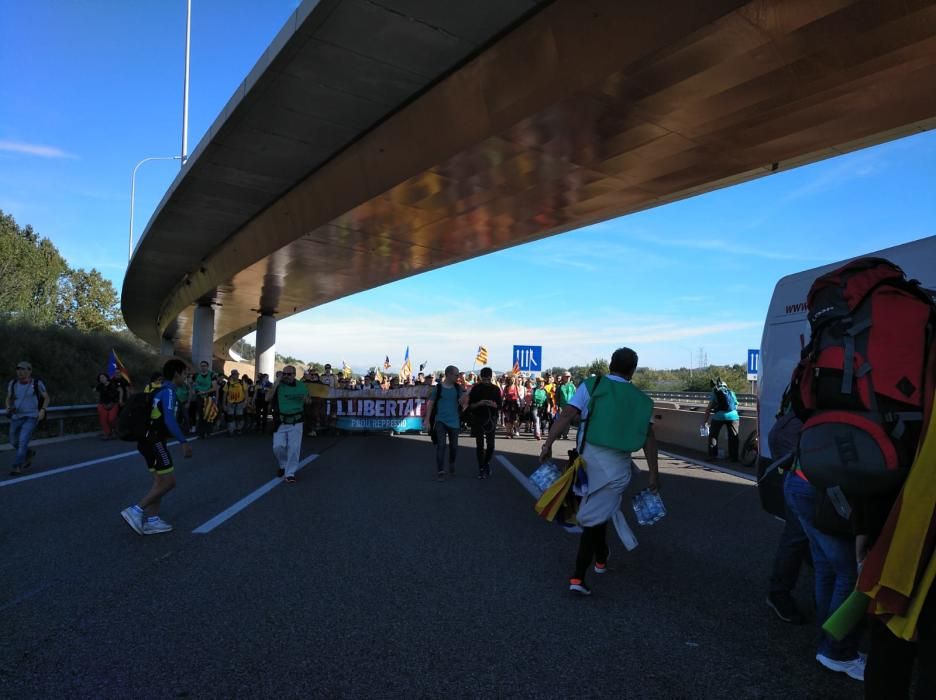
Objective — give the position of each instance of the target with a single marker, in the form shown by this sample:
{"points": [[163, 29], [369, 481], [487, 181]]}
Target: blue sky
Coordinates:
{"points": [[88, 89]]}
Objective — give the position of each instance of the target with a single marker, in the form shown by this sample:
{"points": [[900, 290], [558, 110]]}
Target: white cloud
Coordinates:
{"points": [[34, 149]]}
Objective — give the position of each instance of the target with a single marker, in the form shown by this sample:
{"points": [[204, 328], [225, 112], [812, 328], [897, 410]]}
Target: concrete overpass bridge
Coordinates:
{"points": [[377, 139]]}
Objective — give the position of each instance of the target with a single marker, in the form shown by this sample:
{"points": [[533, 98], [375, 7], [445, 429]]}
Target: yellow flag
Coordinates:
{"points": [[482, 356]]}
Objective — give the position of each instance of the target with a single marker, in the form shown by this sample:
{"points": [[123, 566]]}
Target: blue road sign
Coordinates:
{"points": [[529, 357], [753, 364]]}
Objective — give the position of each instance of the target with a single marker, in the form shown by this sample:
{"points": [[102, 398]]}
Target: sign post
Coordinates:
{"points": [[529, 358], [753, 366]]}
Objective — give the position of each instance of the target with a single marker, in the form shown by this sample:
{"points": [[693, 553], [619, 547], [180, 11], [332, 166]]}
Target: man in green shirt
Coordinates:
{"points": [[290, 398]]}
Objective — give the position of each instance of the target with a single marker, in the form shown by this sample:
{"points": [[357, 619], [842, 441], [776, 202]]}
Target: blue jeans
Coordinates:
{"points": [[442, 432], [834, 566], [792, 551], [21, 429]]}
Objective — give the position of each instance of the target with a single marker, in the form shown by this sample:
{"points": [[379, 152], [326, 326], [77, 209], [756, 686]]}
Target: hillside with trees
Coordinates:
{"points": [[64, 320]]}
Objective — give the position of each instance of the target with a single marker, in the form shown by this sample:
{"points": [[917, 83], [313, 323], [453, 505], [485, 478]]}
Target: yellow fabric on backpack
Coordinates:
{"points": [[904, 556]]}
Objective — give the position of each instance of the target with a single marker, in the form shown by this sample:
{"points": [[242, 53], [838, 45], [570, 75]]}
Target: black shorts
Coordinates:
{"points": [[157, 456]]}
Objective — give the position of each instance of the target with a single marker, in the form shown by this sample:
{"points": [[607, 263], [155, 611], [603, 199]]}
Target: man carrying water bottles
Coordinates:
{"points": [[616, 419]]}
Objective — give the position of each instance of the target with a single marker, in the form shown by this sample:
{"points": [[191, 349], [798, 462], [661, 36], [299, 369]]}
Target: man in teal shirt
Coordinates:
{"points": [[564, 393], [723, 407], [444, 419]]}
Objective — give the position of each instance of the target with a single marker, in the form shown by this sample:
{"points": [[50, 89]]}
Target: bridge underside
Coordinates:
{"points": [[584, 111]]}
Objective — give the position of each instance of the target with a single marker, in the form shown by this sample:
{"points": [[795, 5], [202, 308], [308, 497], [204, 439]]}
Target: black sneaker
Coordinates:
{"points": [[577, 585], [440, 476], [785, 608], [280, 473], [481, 473]]}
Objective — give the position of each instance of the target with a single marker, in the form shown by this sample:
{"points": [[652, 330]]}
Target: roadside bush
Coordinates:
{"points": [[69, 360]]}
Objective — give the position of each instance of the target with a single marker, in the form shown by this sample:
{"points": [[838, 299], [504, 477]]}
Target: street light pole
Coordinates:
{"points": [[133, 195], [185, 85]]}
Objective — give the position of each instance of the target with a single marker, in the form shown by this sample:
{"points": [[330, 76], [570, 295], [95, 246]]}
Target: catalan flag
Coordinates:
{"points": [[406, 370], [516, 367], [115, 366], [482, 356], [345, 369]]}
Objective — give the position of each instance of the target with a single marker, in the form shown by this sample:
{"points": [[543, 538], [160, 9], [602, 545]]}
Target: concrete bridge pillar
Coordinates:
{"points": [[203, 335], [166, 347], [266, 346]]}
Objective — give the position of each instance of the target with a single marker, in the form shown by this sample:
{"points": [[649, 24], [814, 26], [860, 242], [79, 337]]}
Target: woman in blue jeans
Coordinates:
{"points": [[835, 574]]}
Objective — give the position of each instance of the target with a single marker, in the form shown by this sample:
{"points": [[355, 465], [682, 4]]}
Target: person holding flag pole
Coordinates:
{"points": [[481, 357], [406, 371]]}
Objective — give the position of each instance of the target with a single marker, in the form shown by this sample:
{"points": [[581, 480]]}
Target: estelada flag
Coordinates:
{"points": [[346, 369], [115, 366], [482, 356], [210, 410], [386, 362]]}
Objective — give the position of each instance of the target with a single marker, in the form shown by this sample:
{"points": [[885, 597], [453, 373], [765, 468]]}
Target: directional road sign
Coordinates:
{"points": [[753, 364], [529, 357]]}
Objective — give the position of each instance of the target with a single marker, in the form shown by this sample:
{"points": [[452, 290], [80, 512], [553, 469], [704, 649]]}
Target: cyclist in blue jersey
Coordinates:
{"points": [[144, 516]]}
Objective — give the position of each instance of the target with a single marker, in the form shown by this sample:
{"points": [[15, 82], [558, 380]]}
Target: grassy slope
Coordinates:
{"points": [[68, 361]]}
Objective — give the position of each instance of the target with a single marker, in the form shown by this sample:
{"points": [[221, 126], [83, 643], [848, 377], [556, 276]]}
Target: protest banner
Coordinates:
{"points": [[400, 410]]}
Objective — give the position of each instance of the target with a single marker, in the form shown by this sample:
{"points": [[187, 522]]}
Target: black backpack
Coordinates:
{"points": [[133, 421]]}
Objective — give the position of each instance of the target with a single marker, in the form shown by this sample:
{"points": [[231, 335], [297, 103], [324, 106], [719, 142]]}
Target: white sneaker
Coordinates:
{"points": [[134, 519], [155, 526], [853, 668]]}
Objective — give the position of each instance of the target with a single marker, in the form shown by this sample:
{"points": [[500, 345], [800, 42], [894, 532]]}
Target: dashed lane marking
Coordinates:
{"points": [[230, 512]]}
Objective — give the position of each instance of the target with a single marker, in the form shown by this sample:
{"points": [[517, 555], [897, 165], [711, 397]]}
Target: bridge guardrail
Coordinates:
{"points": [[57, 415], [699, 397]]}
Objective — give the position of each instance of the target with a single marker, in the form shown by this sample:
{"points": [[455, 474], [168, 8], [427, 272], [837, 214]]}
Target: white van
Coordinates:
{"points": [[786, 330]]}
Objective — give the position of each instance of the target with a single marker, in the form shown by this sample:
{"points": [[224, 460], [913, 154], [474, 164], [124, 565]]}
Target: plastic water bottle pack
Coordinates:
{"points": [[648, 507]]}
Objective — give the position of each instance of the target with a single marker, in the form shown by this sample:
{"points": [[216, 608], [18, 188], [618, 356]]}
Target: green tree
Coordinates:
{"points": [[30, 267], [598, 366], [87, 302], [245, 350]]}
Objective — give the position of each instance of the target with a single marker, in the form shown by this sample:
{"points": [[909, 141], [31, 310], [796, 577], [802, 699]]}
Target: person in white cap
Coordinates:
{"points": [[26, 404]]}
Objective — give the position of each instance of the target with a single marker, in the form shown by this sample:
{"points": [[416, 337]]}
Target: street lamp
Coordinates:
{"points": [[133, 195]]}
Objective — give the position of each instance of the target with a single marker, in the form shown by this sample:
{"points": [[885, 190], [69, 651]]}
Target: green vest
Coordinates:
{"points": [[291, 398], [618, 416], [203, 382]]}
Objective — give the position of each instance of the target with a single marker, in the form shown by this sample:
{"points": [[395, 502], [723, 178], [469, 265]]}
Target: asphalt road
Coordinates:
{"points": [[369, 579]]}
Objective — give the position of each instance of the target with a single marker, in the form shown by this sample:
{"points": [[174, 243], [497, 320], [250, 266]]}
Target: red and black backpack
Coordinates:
{"points": [[865, 382]]}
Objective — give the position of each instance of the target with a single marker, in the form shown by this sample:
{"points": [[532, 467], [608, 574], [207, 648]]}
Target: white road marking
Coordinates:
{"points": [[519, 476], [528, 485], [72, 467], [228, 513]]}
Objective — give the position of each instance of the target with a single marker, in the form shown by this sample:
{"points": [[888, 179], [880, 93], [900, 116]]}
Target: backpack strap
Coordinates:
{"points": [[591, 411]]}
